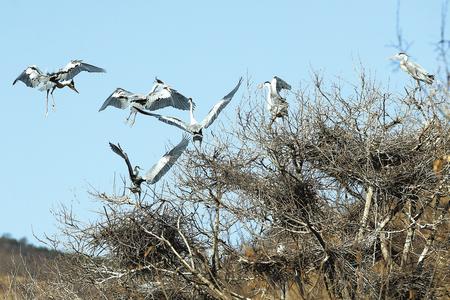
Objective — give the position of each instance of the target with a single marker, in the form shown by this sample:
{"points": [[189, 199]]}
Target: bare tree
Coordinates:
{"points": [[338, 200], [346, 197]]}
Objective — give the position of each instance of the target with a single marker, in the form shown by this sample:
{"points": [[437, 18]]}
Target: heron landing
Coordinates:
{"points": [[196, 128], [33, 77], [156, 171], [161, 95]]}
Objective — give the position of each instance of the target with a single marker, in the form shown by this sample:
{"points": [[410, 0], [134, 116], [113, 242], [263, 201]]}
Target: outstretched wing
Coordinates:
{"points": [[281, 84], [32, 77], [169, 120], [214, 112], [73, 68], [166, 162], [118, 150], [166, 97], [120, 98]]}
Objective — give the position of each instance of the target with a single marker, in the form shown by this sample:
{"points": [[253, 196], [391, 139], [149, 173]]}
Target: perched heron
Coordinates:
{"points": [[277, 105], [161, 95], [195, 128], [157, 171], [34, 77], [415, 70]]}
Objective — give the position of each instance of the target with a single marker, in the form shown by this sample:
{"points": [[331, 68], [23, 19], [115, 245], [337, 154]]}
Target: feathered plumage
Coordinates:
{"points": [[415, 70], [194, 127], [33, 77], [157, 171]]}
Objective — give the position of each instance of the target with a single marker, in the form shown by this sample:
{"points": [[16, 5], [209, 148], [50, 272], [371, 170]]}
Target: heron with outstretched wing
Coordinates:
{"points": [[157, 171], [195, 128], [161, 95], [33, 77]]}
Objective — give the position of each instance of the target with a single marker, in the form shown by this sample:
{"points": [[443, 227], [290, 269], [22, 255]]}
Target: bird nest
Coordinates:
{"points": [[141, 237], [415, 286]]}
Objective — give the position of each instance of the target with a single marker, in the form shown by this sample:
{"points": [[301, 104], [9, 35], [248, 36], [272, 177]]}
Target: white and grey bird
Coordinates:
{"points": [[157, 171], [35, 78], [276, 104], [161, 95], [122, 99], [195, 128], [75, 67], [413, 69]]}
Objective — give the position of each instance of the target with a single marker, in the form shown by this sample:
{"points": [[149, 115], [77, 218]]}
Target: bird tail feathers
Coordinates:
{"points": [[430, 79]]}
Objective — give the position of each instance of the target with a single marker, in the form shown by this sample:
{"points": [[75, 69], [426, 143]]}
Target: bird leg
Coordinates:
{"points": [[419, 87], [136, 190], [271, 122], [139, 200], [46, 104], [128, 121], [53, 99], [134, 118]]}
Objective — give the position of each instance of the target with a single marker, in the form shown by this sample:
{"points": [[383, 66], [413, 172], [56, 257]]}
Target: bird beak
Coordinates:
{"points": [[393, 57], [260, 86], [73, 88]]}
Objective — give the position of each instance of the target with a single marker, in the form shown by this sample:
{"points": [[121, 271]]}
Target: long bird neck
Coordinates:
{"points": [[191, 114], [273, 89], [136, 171], [404, 64], [404, 59], [269, 93], [155, 86]]}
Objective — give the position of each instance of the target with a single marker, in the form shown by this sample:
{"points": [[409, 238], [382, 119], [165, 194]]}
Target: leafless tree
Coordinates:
{"points": [[338, 200], [347, 197]]}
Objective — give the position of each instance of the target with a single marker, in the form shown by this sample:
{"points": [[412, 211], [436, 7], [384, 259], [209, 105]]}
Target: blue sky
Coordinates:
{"points": [[199, 47]]}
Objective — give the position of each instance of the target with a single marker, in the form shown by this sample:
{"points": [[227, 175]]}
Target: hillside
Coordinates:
{"points": [[19, 260]]}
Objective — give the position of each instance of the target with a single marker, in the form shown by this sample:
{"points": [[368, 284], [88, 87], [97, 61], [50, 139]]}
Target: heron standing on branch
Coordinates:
{"points": [[414, 70], [277, 105]]}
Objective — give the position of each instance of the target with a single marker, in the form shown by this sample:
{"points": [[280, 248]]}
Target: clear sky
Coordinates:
{"points": [[201, 48]]}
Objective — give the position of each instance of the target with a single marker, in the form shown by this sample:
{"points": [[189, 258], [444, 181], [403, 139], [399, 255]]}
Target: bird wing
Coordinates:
{"points": [[167, 97], [118, 150], [119, 98], [214, 112], [169, 120], [73, 68], [32, 77], [416, 70], [166, 162], [281, 84]]}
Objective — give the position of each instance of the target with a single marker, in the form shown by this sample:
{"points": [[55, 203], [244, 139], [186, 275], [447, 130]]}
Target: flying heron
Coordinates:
{"points": [[157, 170], [122, 99], [161, 95], [414, 70], [277, 105], [195, 128], [34, 77]]}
